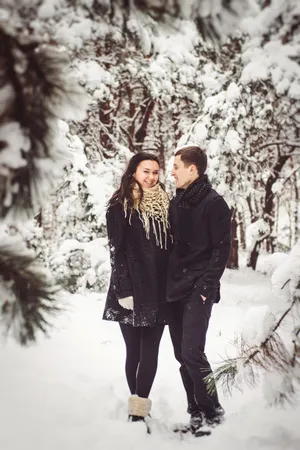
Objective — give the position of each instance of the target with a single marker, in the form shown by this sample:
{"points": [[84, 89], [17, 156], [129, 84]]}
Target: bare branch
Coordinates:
{"points": [[294, 144]]}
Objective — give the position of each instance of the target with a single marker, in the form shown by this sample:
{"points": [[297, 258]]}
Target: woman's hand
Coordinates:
{"points": [[126, 302]]}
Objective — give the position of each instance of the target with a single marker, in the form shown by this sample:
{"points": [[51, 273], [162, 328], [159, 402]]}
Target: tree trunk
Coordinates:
{"points": [[131, 128], [266, 3], [161, 146], [252, 209], [47, 218], [242, 231], [252, 260], [141, 133], [296, 212], [233, 262], [268, 211], [104, 116], [176, 120]]}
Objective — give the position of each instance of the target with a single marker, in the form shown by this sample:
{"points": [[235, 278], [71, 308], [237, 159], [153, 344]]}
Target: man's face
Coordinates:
{"points": [[184, 176]]}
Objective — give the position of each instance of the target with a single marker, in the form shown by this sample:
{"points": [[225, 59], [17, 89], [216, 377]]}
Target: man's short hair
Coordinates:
{"points": [[193, 155]]}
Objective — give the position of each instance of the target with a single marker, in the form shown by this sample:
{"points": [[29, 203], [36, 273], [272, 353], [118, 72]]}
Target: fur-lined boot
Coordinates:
{"points": [[138, 409]]}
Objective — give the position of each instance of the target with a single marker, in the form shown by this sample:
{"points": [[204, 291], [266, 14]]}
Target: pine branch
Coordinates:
{"points": [[28, 292], [225, 376], [36, 89], [272, 355]]}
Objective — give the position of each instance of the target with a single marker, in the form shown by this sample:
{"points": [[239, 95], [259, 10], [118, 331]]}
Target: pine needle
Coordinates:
{"points": [[35, 90], [271, 356], [29, 293]]}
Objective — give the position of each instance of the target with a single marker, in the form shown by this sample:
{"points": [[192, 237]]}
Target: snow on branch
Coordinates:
{"points": [[293, 144], [214, 19], [36, 89], [289, 176], [28, 292], [272, 355]]}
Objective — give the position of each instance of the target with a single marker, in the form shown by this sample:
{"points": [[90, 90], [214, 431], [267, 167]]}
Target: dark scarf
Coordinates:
{"points": [[194, 193]]}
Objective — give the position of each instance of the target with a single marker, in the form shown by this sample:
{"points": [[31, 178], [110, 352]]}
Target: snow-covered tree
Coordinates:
{"points": [[143, 95], [146, 92], [79, 247], [151, 79], [36, 89], [250, 123], [269, 347]]}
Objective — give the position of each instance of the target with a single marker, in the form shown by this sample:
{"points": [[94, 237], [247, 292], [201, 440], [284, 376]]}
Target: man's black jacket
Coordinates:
{"points": [[202, 242]]}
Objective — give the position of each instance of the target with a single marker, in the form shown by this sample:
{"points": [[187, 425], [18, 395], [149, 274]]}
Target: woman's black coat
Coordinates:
{"points": [[139, 269]]}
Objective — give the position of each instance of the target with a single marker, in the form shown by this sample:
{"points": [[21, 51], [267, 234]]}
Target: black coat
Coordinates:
{"points": [[202, 242], [139, 269]]}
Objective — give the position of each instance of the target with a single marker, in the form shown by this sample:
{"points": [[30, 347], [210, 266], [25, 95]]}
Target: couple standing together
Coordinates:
{"points": [[167, 259]]}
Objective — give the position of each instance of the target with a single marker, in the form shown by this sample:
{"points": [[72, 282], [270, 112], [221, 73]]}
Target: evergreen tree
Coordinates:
{"points": [[36, 89]]}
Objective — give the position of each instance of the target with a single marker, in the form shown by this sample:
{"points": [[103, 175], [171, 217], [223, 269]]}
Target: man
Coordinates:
{"points": [[201, 223]]}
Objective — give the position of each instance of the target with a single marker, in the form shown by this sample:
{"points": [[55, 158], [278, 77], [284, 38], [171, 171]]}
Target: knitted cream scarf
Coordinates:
{"points": [[154, 208]]}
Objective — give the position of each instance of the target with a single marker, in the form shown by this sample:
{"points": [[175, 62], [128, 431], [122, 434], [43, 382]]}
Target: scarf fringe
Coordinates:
{"points": [[153, 212]]}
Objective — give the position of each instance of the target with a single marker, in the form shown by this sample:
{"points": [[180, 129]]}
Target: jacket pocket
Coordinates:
{"points": [[197, 297]]}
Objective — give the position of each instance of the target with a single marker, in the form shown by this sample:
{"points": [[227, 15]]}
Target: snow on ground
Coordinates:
{"points": [[69, 392]]}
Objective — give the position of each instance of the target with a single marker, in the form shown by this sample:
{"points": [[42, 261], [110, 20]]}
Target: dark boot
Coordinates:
{"points": [[194, 424], [216, 417], [196, 421], [198, 424], [132, 418]]}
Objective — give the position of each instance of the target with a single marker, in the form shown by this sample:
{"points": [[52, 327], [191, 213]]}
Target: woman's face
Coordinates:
{"points": [[147, 173]]}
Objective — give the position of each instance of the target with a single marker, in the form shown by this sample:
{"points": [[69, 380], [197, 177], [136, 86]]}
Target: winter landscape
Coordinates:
{"points": [[83, 86], [70, 391]]}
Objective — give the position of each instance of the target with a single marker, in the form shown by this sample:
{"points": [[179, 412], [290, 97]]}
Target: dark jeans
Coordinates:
{"points": [[142, 346], [188, 334]]}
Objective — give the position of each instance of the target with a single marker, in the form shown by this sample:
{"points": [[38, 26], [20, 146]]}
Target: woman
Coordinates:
{"points": [[139, 239]]}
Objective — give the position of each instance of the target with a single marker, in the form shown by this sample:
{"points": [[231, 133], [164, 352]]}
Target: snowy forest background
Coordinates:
{"points": [[85, 84]]}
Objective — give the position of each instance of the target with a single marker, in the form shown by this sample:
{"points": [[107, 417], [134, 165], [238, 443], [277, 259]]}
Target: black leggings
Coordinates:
{"points": [[142, 346]]}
